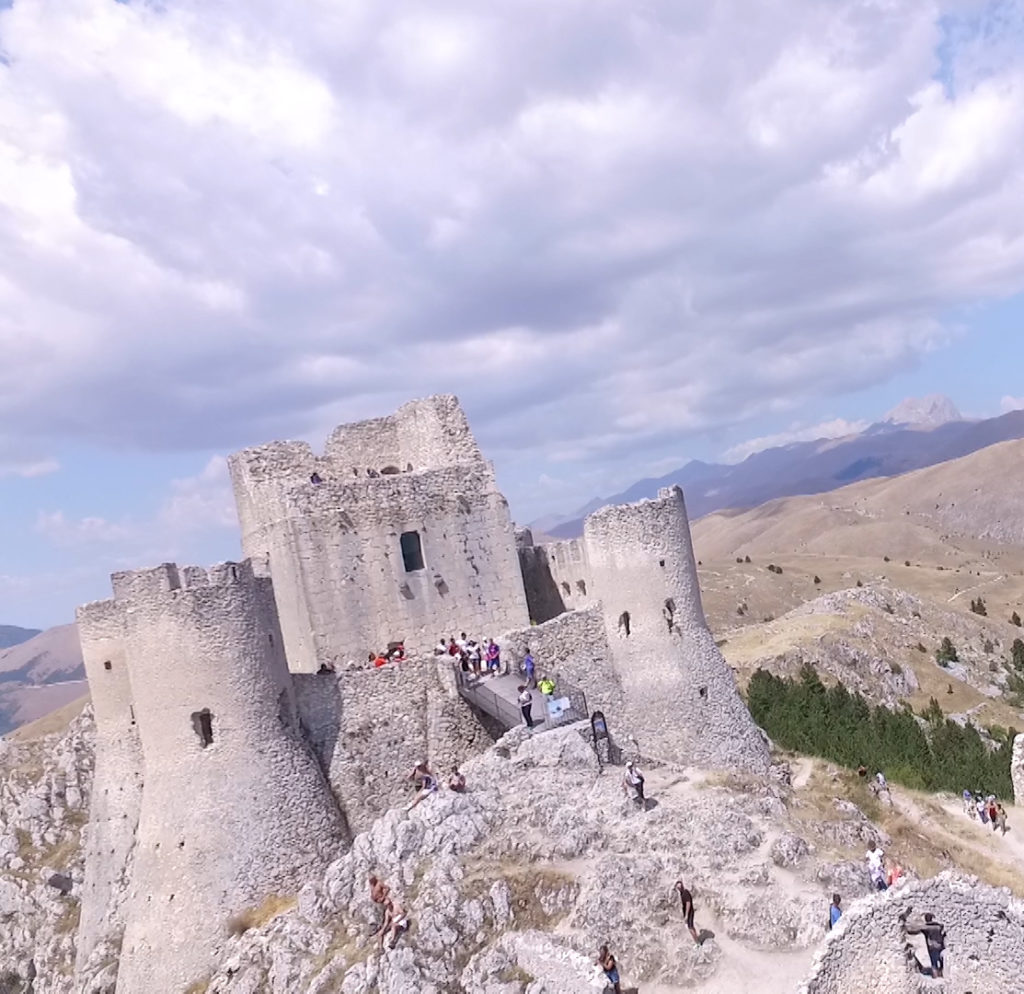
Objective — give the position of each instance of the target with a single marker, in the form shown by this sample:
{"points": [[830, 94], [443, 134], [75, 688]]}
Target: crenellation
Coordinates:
{"points": [[142, 583]]}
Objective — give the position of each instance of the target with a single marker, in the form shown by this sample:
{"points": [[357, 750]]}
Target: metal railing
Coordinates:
{"points": [[566, 705]]}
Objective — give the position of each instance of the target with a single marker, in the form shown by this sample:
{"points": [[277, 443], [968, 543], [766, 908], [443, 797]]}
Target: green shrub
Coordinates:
{"points": [[946, 653]]}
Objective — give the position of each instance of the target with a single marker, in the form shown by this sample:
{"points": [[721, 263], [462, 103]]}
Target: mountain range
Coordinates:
{"points": [[916, 434]]}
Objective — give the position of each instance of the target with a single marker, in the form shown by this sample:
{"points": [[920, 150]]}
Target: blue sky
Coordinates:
{"points": [[624, 237]]}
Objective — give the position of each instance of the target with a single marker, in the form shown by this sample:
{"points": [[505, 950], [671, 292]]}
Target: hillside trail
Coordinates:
{"points": [[958, 828]]}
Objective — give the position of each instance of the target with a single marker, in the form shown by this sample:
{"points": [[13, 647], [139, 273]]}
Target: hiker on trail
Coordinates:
{"points": [[611, 969], [993, 813], [378, 895], [893, 872], [982, 809], [968, 803], [880, 781], [875, 870], [395, 921], [457, 781], [1001, 818], [526, 704], [934, 940], [687, 899], [493, 657], [546, 686], [633, 780], [835, 912]]}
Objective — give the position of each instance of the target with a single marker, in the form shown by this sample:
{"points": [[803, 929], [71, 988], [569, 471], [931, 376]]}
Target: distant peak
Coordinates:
{"points": [[925, 412]]}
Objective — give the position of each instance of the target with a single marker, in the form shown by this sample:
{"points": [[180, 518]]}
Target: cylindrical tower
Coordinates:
{"points": [[235, 808], [117, 779], [678, 688]]}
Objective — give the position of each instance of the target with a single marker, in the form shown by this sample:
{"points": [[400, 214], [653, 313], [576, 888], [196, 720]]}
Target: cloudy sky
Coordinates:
{"points": [[624, 234]]}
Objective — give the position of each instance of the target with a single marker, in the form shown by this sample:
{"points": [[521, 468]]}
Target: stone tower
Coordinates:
{"points": [[234, 807], [117, 778], [679, 692], [1017, 770], [397, 532]]}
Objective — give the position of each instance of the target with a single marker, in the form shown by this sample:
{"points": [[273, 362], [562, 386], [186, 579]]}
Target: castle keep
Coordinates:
{"points": [[241, 736]]}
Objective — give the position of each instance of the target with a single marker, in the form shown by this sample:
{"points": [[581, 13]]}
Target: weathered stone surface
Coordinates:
{"points": [[1017, 770]]}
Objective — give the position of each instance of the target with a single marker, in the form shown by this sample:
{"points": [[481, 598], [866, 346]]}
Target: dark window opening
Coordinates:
{"points": [[202, 722], [661, 563], [107, 664], [566, 589], [624, 621], [703, 692], [412, 551], [581, 586], [270, 637], [670, 613], [372, 473], [390, 471], [408, 467], [234, 572]]}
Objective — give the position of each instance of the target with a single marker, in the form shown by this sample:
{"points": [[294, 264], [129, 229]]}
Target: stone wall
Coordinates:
{"points": [[117, 779], [370, 727], [679, 693], [557, 578], [1017, 770], [865, 953], [233, 810], [574, 648], [343, 586]]}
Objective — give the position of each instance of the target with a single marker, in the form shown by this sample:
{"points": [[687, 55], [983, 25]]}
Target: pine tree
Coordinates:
{"points": [[1015, 619], [1017, 654]]}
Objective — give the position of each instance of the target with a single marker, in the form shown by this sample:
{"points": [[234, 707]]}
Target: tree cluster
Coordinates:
{"points": [[933, 754], [978, 607]]}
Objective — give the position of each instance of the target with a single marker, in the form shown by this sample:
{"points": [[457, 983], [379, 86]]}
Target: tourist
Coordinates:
{"points": [[546, 686], [968, 803], [993, 813], [687, 901], [634, 780], [473, 648], [463, 642], [982, 809], [395, 921], [934, 940], [893, 872], [428, 786], [835, 912], [1001, 818], [493, 657], [441, 649], [325, 668], [611, 969], [526, 704], [421, 772], [315, 479], [453, 649], [378, 895], [529, 667], [875, 871], [457, 781]]}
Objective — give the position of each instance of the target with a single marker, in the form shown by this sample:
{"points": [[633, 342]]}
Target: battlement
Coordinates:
{"points": [[99, 620], [168, 580], [641, 520]]}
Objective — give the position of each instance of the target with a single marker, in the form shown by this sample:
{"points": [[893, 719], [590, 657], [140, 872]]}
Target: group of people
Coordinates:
{"points": [[986, 809], [426, 783], [474, 656], [606, 960], [394, 653], [883, 871]]}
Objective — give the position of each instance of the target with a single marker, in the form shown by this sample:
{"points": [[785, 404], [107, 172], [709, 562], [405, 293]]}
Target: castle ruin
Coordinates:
{"points": [[241, 735]]}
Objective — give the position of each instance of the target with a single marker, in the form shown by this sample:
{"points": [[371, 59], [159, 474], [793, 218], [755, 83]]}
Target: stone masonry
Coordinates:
{"points": [[234, 807], [232, 763], [867, 951], [397, 533]]}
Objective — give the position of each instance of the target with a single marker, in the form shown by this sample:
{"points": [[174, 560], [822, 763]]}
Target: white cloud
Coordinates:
{"points": [[29, 469], [836, 428], [62, 530], [200, 502], [604, 226], [1008, 404]]}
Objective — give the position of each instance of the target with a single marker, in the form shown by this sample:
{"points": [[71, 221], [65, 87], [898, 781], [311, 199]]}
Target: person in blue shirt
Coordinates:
{"points": [[530, 668], [835, 912]]}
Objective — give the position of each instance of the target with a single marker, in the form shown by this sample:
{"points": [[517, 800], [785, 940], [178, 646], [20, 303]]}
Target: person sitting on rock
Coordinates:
{"points": [[546, 686], [421, 772], [378, 895], [611, 969], [457, 781], [395, 921], [687, 899], [634, 781]]}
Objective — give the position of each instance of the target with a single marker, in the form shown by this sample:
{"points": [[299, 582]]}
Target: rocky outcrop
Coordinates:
{"points": [[872, 949], [1017, 770]]}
